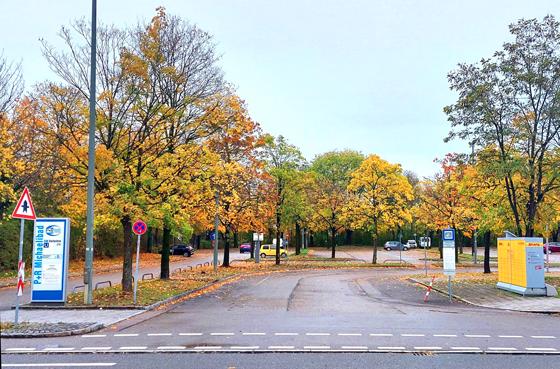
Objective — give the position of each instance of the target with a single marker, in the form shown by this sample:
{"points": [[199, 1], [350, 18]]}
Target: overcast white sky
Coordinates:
{"points": [[368, 75]]}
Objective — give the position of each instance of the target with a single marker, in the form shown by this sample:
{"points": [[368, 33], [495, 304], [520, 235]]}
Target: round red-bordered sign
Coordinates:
{"points": [[139, 227]]}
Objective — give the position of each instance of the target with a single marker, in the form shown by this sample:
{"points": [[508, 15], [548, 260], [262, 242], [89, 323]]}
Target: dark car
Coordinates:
{"points": [[244, 247], [186, 250], [552, 247], [395, 245]]}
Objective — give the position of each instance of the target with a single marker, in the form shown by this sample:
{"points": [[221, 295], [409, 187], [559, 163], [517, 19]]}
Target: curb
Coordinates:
{"points": [[480, 305], [91, 328]]}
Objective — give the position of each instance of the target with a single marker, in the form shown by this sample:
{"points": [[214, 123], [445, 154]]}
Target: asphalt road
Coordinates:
{"points": [[8, 294], [329, 311], [284, 361]]}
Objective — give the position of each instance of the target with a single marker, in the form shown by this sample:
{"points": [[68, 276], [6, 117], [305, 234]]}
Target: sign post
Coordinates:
{"points": [[449, 256], [139, 228], [24, 210], [258, 237]]}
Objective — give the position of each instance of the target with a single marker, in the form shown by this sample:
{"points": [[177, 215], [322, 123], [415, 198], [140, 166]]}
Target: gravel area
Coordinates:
{"points": [[27, 329]]}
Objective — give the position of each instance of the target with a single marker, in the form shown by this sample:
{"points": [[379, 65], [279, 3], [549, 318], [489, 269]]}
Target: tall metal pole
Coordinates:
{"points": [[20, 259], [137, 268], [547, 252], [216, 225], [88, 272], [475, 246]]}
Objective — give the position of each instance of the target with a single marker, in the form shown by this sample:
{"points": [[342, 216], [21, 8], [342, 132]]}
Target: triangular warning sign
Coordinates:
{"points": [[24, 208]]}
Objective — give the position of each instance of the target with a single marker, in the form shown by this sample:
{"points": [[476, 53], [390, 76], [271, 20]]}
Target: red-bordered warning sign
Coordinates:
{"points": [[21, 278], [24, 208]]}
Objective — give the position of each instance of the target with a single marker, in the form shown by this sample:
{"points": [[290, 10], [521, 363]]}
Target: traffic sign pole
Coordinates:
{"points": [[20, 260], [137, 267]]}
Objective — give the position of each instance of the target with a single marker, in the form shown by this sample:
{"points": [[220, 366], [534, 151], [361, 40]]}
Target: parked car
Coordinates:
{"points": [[552, 247], [270, 250], [244, 247], [411, 244], [186, 250], [395, 245]]}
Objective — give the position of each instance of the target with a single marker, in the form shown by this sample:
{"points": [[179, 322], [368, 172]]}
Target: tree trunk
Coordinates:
{"points": [[127, 255], [197, 241], [165, 246], [225, 263], [556, 234], [333, 243], [461, 241], [298, 239], [311, 239], [150, 240], [278, 236], [348, 238], [374, 259], [487, 252], [235, 240]]}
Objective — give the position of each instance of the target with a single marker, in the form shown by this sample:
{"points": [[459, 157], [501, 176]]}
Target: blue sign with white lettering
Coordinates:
{"points": [[51, 243]]}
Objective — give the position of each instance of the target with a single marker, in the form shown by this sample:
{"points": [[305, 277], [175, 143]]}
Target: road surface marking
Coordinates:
{"points": [[125, 335], [510, 336], [317, 334], [316, 347], [281, 347], [286, 334], [222, 334], [132, 348], [390, 347], [58, 349], [21, 349], [381, 334], [427, 348], [412, 335], [464, 348], [244, 347], [190, 334], [445, 335], [262, 280], [52, 365], [254, 334], [540, 349], [477, 335], [502, 348], [208, 347], [349, 334], [96, 348], [93, 335], [354, 347], [544, 337], [159, 334], [171, 347]]}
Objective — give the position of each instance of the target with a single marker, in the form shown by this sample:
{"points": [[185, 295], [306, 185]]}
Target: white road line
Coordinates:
{"points": [[390, 347], [21, 349], [53, 365], [58, 349], [381, 334], [171, 347], [93, 335], [464, 348], [540, 349], [544, 337], [502, 349], [427, 347], [477, 335], [254, 334], [159, 334], [286, 334], [190, 334], [222, 334], [510, 336], [412, 335], [354, 347], [349, 334], [317, 334], [244, 347], [280, 347], [445, 335], [316, 347], [132, 348], [208, 347], [125, 335], [96, 348]]}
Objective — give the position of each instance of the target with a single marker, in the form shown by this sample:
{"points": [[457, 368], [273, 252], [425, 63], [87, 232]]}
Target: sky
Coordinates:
{"points": [[328, 75]]}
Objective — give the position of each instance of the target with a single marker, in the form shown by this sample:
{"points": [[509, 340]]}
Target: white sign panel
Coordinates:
{"points": [[258, 237], [51, 242], [449, 251]]}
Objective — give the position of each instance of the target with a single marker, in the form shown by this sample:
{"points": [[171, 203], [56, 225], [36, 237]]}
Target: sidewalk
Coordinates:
{"points": [[488, 295]]}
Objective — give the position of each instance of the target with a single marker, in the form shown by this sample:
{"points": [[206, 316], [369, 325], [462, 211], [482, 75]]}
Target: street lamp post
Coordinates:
{"points": [[88, 272]]}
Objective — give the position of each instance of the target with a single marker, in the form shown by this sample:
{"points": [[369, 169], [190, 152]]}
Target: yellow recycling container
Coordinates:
{"points": [[521, 265]]}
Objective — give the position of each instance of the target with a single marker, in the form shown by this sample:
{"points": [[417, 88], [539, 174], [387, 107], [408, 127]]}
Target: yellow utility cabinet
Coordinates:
{"points": [[521, 265]]}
